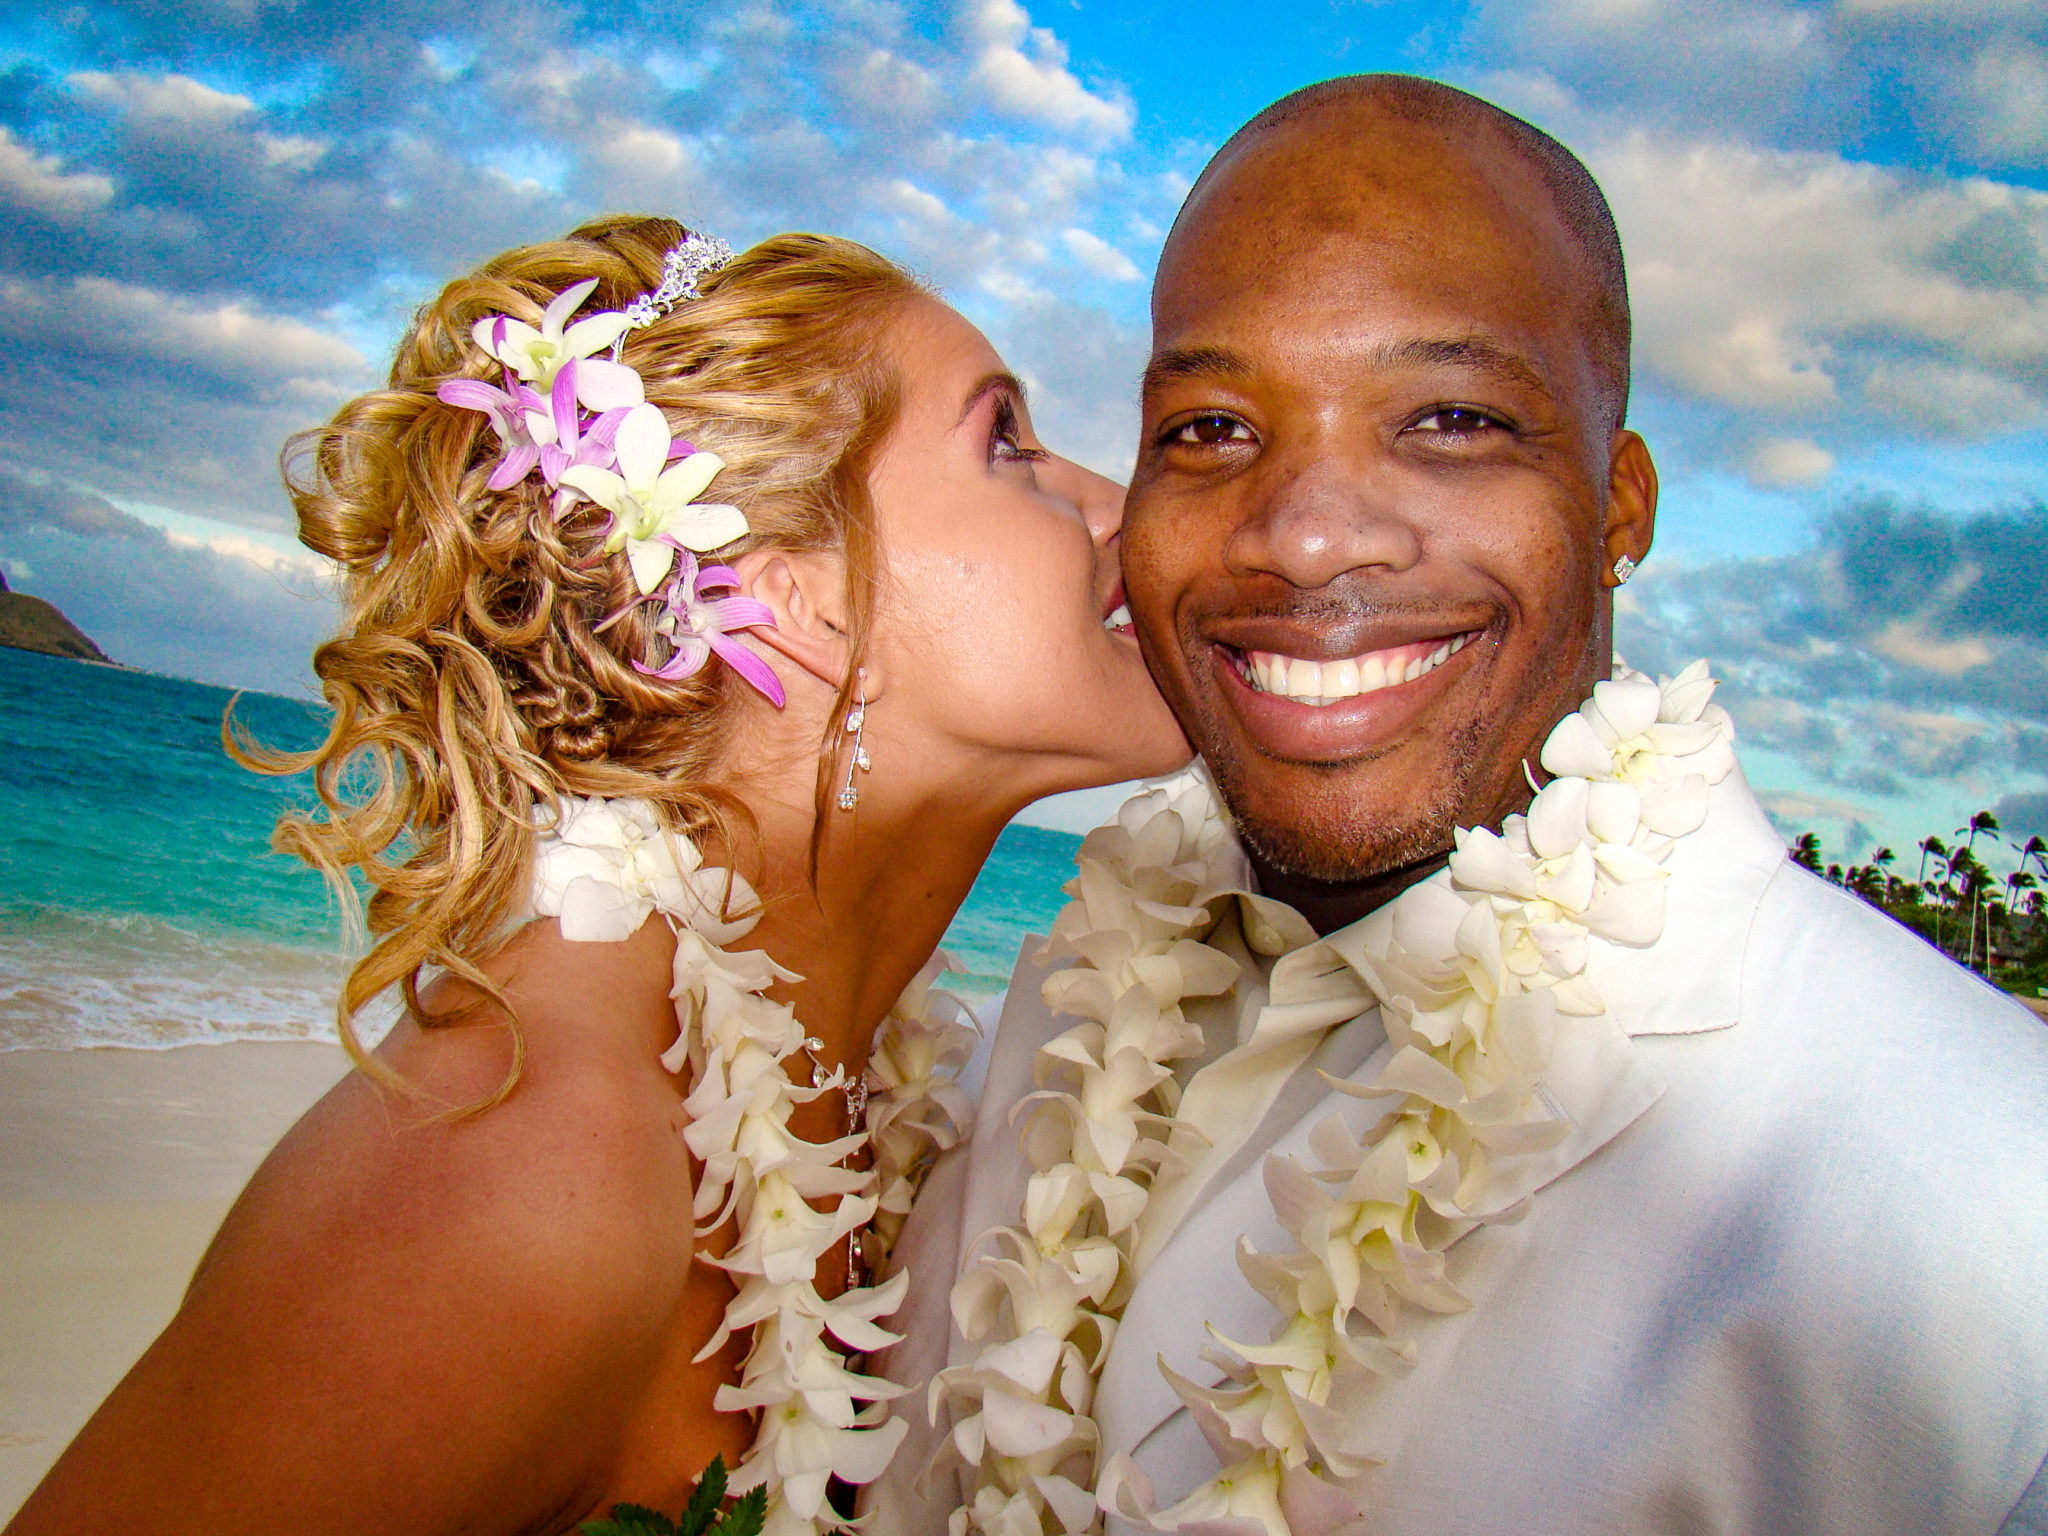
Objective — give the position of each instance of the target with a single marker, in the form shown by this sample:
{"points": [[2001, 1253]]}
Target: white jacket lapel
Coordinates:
{"points": [[1599, 1083]]}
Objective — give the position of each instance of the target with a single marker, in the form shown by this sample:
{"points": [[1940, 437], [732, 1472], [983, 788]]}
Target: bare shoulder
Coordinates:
{"points": [[469, 1303], [586, 1147]]}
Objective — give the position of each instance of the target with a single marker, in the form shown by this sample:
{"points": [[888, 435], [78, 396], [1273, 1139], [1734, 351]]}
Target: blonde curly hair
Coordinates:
{"points": [[470, 681]]}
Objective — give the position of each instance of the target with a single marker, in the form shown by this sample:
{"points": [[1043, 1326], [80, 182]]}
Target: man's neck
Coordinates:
{"points": [[1329, 906]]}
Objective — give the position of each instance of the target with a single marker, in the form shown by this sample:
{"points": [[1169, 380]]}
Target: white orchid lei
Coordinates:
{"points": [[603, 867], [1474, 972]]}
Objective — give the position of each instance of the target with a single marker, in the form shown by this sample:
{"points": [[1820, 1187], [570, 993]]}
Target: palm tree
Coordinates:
{"points": [[1806, 851], [1980, 823], [2016, 882], [1930, 848], [2034, 849], [1976, 879]]}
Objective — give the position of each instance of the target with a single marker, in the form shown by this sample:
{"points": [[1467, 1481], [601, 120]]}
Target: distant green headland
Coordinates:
{"points": [[30, 624]]}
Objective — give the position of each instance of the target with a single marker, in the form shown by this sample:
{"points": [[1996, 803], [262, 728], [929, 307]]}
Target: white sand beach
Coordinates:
{"points": [[116, 1166]]}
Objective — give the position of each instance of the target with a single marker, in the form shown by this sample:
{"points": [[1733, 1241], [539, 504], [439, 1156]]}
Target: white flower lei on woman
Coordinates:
{"points": [[603, 869], [1474, 971]]}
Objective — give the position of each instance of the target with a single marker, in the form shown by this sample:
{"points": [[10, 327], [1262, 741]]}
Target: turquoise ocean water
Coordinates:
{"points": [[140, 903]]}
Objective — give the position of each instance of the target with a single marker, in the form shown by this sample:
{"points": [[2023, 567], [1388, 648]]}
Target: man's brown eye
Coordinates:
{"points": [[1209, 430], [1456, 419]]}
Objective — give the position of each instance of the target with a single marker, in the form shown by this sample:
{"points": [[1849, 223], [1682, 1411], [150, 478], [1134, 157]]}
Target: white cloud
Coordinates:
{"points": [[229, 341], [881, 83], [1967, 13], [643, 165], [2007, 86], [1100, 257], [1786, 461], [1797, 283], [1024, 71], [1791, 70], [913, 202], [173, 110], [293, 151], [39, 182], [164, 98], [1951, 401], [1905, 641]]}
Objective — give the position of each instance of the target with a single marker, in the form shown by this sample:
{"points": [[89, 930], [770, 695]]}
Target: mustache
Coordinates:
{"points": [[1329, 608]]}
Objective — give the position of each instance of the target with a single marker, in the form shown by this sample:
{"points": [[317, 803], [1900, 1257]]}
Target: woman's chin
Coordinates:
{"points": [[1157, 747]]}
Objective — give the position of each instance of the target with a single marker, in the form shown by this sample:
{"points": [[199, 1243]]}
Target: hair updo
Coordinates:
{"points": [[470, 680]]}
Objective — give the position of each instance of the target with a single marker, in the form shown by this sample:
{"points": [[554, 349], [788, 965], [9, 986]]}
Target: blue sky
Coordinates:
{"points": [[214, 218]]}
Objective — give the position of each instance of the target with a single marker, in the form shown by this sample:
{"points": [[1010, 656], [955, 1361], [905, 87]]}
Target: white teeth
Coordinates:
{"points": [[1120, 619], [1332, 682]]}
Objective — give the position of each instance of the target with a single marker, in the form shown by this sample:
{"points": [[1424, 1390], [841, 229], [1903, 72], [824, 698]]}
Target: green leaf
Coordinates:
{"points": [[703, 1506], [747, 1516]]}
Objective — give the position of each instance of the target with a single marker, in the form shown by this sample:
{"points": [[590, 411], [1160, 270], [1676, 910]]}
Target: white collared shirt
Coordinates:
{"points": [[1788, 1274]]}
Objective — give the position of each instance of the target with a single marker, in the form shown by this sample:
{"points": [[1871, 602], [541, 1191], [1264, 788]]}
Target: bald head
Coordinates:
{"points": [[1347, 133]]}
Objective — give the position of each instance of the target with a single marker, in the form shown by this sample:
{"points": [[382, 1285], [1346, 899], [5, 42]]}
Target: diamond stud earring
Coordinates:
{"points": [[1623, 569], [856, 722]]}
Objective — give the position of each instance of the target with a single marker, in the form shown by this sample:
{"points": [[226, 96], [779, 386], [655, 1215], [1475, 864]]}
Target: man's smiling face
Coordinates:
{"points": [[1370, 521]]}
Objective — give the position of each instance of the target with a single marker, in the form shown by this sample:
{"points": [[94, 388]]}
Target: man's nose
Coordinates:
{"points": [[1323, 521]]}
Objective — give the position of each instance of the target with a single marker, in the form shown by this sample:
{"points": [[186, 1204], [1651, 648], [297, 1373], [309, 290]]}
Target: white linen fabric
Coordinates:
{"points": [[1789, 1274]]}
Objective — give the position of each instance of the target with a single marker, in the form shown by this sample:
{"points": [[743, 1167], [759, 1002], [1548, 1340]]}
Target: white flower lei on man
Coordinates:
{"points": [[603, 868], [1474, 972]]}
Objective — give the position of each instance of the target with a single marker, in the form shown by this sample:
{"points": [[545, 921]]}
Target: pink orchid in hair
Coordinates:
{"points": [[569, 437], [537, 355], [514, 411], [697, 626]]}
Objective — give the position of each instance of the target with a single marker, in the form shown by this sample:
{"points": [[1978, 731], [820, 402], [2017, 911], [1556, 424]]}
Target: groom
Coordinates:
{"points": [[1727, 1211]]}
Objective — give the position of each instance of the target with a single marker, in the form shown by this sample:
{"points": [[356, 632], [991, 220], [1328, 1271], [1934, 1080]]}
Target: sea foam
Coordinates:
{"points": [[71, 979]]}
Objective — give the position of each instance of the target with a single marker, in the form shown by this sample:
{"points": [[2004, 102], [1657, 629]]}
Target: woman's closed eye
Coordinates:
{"points": [[1006, 443]]}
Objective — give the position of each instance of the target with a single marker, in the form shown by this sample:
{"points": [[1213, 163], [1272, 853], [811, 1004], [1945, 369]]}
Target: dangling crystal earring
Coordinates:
{"points": [[856, 722], [1623, 569]]}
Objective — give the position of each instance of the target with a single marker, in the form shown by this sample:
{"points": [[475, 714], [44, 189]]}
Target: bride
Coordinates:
{"points": [[706, 619]]}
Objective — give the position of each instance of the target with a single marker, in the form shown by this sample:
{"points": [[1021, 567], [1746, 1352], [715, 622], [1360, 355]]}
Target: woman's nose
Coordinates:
{"points": [[1101, 501]]}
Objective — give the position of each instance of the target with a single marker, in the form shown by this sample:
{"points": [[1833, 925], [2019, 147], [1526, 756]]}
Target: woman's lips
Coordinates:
{"points": [[1326, 711], [1117, 618]]}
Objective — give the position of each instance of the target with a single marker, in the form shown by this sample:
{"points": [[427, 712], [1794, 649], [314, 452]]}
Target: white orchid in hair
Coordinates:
{"points": [[537, 355], [653, 503]]}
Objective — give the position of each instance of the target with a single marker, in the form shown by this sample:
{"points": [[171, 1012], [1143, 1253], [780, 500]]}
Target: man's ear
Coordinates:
{"points": [[1631, 504], [806, 591]]}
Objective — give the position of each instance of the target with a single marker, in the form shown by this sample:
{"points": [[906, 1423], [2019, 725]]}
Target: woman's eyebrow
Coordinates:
{"points": [[988, 384]]}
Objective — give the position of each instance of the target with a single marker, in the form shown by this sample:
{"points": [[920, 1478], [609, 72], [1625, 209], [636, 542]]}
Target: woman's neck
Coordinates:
{"points": [[889, 877]]}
